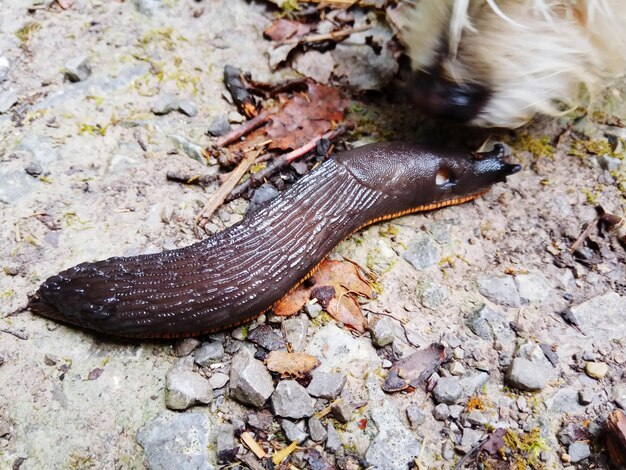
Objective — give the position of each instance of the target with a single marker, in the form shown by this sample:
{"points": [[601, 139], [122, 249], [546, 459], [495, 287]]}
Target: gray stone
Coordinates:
{"points": [[226, 446], [148, 7], [333, 441], [165, 104], [218, 380], [447, 450], [585, 396], [476, 418], [470, 437], [78, 69], [441, 412], [293, 431], [501, 290], [34, 169], [191, 149], [491, 325], [177, 440], [295, 330], [250, 381], [423, 252], [313, 309], [578, 451], [267, 338], [571, 433], [185, 346], [532, 288], [472, 382], [316, 430], [342, 411], [441, 230], [448, 390], [261, 420], [185, 388], [219, 126], [456, 368], [455, 411], [433, 296], [602, 318], [415, 415], [326, 384], [618, 396], [4, 68], [209, 353], [596, 370], [188, 107], [565, 400], [7, 99], [526, 375], [261, 196], [290, 400], [381, 329]]}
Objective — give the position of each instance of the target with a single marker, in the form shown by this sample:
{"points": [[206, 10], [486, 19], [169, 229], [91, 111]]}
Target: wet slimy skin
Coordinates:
{"points": [[243, 271]]}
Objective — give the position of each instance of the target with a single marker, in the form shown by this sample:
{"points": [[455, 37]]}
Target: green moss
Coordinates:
{"points": [[525, 448], [538, 147], [25, 33], [388, 230], [7, 294], [592, 198], [91, 129]]}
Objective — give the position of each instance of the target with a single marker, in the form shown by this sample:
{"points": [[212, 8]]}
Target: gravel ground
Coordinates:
{"points": [[83, 157]]}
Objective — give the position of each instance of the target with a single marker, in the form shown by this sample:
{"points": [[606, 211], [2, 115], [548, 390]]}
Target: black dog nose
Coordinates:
{"points": [[440, 97]]}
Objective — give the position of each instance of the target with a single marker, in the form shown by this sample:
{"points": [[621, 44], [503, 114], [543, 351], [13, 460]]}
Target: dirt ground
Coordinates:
{"points": [[82, 177]]}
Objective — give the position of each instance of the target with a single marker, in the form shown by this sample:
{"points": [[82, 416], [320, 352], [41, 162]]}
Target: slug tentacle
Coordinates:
{"points": [[243, 271]]}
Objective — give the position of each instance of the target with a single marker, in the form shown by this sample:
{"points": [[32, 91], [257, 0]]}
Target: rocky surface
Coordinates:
{"points": [[99, 100]]}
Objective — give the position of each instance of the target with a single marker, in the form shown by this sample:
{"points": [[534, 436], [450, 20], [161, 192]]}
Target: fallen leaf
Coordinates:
{"points": [[283, 29], [293, 364], [249, 441], [414, 370], [344, 280], [494, 442]]}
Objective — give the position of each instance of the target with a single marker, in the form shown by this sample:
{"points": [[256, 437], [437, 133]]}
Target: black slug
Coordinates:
{"points": [[239, 273]]}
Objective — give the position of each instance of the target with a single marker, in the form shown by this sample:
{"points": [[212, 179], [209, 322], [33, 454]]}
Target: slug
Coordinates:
{"points": [[241, 272]]}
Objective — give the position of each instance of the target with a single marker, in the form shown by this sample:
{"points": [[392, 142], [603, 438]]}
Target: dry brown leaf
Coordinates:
{"points": [[283, 29], [293, 364], [345, 280]]}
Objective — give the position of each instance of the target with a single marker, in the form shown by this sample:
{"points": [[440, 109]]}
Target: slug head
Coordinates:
{"points": [[419, 178]]}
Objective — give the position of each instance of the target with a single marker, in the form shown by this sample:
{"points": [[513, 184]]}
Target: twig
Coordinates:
{"points": [[583, 236], [200, 180], [328, 36], [244, 129], [282, 161], [17, 334], [217, 199]]}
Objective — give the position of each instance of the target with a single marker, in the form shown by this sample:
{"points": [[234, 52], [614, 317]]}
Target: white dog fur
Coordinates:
{"points": [[533, 56]]}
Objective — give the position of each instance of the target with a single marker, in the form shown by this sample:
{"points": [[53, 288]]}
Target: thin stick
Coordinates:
{"points": [[218, 197], [328, 36], [282, 161], [583, 236], [244, 129]]}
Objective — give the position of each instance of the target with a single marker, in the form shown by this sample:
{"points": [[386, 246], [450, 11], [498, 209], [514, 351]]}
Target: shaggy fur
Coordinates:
{"points": [[532, 56]]}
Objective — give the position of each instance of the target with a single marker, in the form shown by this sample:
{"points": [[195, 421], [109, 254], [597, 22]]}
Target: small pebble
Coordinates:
{"points": [[442, 412], [293, 431], [7, 100], [596, 370], [34, 169], [219, 126], [578, 451], [585, 396], [333, 441], [291, 400], [227, 447], [185, 346], [218, 380], [165, 104], [209, 353], [342, 411], [456, 368], [313, 309], [50, 359], [448, 390], [188, 107], [316, 429], [415, 415], [78, 69], [455, 411]]}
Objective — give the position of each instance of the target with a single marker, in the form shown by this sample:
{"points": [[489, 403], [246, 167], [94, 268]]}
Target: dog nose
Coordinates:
{"points": [[440, 97]]}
